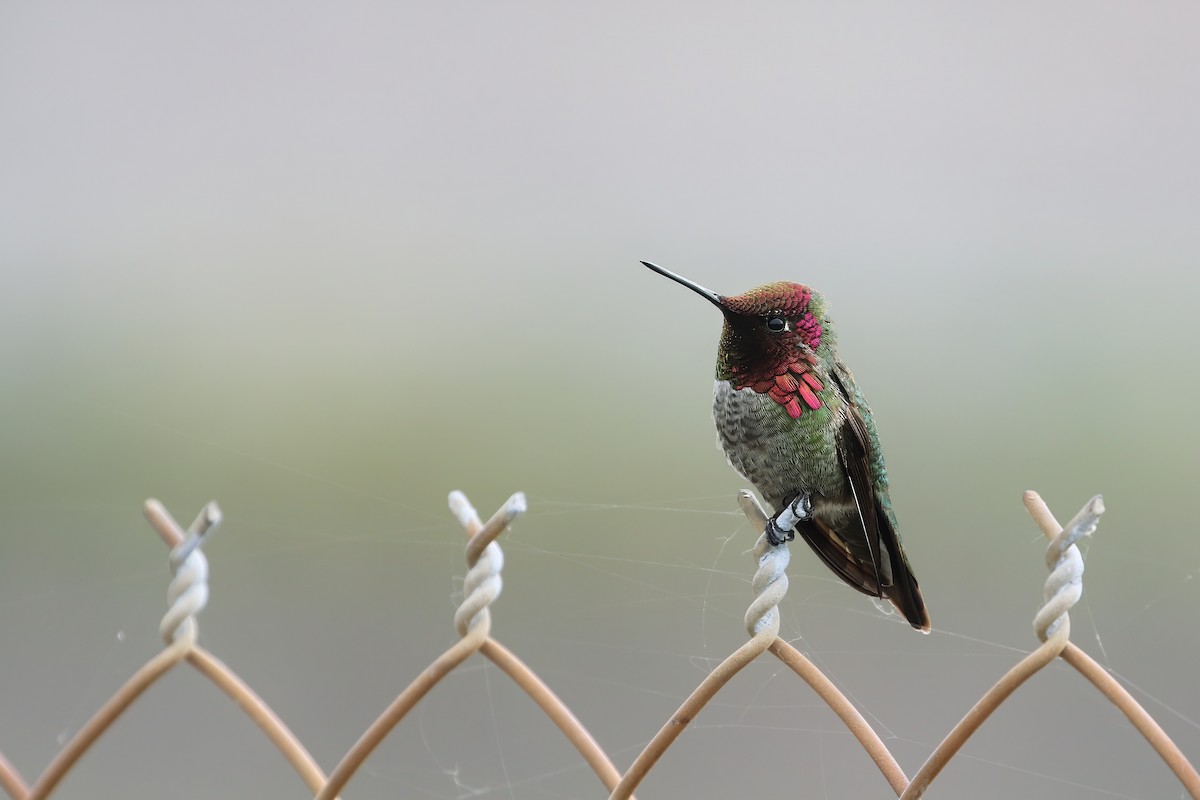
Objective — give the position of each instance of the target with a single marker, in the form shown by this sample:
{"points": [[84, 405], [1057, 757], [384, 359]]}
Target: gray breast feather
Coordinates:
{"points": [[761, 441], [750, 428]]}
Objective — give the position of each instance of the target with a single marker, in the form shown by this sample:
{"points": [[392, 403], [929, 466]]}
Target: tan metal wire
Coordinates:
{"points": [[188, 594]]}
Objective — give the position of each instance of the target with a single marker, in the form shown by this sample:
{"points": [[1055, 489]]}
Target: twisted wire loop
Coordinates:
{"points": [[770, 582], [485, 559], [762, 623], [1062, 590], [472, 620], [179, 630], [1097, 675], [1064, 586], [187, 593]]}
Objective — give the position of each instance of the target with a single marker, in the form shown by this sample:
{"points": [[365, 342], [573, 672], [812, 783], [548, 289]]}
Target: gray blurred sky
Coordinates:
{"points": [[326, 262]]}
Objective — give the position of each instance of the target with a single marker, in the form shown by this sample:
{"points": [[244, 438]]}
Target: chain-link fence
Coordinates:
{"points": [[188, 593]]}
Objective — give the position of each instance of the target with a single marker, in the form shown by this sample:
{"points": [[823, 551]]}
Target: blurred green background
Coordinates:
{"points": [[326, 262]]}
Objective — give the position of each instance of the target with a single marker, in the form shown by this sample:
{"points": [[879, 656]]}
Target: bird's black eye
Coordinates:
{"points": [[776, 324]]}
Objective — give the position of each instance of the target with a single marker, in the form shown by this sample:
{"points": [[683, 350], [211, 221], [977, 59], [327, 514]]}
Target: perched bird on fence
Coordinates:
{"points": [[793, 422]]}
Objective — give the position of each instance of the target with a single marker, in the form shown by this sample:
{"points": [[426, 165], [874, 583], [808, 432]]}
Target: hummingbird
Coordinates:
{"points": [[793, 422]]}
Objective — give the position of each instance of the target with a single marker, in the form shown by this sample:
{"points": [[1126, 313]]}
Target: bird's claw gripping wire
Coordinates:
{"points": [[782, 527]]}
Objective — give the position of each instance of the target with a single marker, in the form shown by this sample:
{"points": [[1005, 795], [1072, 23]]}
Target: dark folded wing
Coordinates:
{"points": [[829, 545], [870, 558]]}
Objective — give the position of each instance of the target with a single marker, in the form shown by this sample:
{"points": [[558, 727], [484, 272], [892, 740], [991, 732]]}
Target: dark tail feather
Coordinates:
{"points": [[905, 594], [858, 571]]}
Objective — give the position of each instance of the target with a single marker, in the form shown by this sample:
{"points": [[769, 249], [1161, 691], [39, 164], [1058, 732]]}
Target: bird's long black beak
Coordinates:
{"points": [[707, 294]]}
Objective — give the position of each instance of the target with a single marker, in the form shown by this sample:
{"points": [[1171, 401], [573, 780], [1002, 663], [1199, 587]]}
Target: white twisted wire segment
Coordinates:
{"points": [[464, 512], [187, 593], [483, 582], [770, 582], [1064, 587]]}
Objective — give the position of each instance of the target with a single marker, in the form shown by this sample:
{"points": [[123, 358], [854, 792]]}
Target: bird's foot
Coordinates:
{"points": [[777, 535], [801, 507], [782, 527]]}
